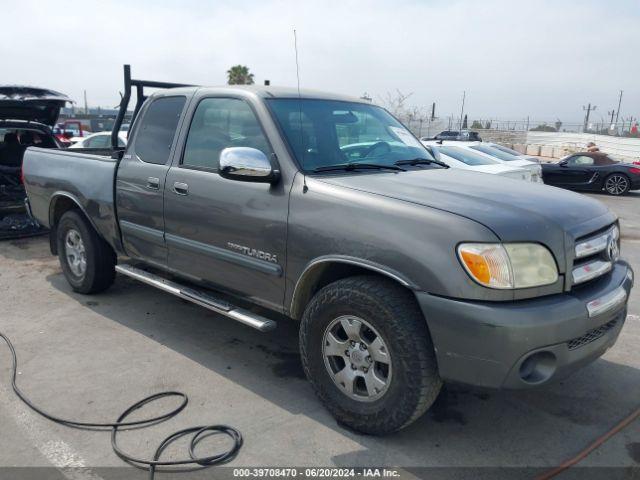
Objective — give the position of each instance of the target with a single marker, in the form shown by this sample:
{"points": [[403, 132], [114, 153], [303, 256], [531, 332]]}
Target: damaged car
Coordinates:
{"points": [[27, 115]]}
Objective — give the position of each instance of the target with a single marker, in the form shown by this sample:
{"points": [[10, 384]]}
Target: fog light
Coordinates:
{"points": [[538, 368]]}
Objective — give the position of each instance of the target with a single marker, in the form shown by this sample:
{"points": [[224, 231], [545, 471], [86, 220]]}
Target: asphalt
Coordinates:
{"points": [[89, 357]]}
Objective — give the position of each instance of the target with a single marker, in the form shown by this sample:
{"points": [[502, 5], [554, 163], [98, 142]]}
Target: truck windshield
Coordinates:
{"points": [[322, 133]]}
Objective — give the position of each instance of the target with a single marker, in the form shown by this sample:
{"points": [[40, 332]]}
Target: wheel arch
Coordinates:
{"points": [[61, 203], [325, 270]]}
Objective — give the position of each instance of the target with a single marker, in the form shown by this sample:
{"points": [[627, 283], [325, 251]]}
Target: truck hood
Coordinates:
{"points": [[31, 104], [514, 210]]}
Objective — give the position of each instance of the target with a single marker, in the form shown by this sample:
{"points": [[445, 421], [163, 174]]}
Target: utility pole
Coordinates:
{"points": [[587, 109], [619, 102], [612, 113], [86, 107], [433, 111], [464, 94]]}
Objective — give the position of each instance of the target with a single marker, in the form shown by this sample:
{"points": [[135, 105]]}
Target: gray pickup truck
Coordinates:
{"points": [[261, 203]]}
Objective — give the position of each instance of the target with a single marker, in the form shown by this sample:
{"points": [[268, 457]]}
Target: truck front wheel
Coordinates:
{"points": [[87, 261], [367, 351]]}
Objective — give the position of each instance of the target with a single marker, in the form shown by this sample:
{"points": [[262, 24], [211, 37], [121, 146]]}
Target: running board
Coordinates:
{"points": [[198, 297]]}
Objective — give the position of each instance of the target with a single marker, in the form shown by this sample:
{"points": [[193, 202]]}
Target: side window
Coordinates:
{"points": [[155, 135], [580, 160], [219, 123]]}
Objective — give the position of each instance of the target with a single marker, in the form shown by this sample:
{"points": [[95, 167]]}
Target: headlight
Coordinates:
{"points": [[508, 265]]}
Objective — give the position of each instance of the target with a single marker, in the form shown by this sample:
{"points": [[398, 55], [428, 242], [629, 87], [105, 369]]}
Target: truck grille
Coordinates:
{"points": [[595, 255], [591, 335]]}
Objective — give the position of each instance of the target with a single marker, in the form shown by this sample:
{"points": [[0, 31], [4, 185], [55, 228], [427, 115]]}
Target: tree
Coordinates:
{"points": [[395, 103], [558, 125], [476, 125], [239, 75], [543, 128]]}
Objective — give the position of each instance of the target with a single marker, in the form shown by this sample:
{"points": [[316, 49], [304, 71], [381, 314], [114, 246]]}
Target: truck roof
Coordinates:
{"points": [[263, 92]]}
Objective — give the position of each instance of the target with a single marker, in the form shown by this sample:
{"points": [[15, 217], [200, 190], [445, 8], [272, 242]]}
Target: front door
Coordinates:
{"points": [[141, 179], [578, 170], [225, 232]]}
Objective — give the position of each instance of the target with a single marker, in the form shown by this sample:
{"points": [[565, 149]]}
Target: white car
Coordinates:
{"points": [[465, 159], [512, 152], [489, 151], [99, 140]]}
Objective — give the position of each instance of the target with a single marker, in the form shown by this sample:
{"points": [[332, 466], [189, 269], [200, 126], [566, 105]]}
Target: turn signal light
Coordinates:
{"points": [[477, 266]]}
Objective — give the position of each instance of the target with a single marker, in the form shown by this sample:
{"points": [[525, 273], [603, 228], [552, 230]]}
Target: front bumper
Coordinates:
{"points": [[527, 343]]}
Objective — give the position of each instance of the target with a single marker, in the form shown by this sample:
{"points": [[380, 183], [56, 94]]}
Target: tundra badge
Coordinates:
{"points": [[252, 252]]}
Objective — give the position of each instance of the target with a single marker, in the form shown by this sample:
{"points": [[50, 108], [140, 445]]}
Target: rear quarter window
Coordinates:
{"points": [[157, 129]]}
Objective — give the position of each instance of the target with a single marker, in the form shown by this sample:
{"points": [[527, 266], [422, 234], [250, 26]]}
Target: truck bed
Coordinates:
{"points": [[84, 176]]}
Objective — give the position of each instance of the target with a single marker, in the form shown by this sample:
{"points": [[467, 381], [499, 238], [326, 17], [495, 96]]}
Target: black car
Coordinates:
{"points": [[593, 171], [452, 135]]}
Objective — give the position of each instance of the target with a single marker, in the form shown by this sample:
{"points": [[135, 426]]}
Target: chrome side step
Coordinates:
{"points": [[200, 298]]}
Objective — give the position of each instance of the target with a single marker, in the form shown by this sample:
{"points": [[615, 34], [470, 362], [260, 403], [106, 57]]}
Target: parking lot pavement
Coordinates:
{"points": [[92, 356]]}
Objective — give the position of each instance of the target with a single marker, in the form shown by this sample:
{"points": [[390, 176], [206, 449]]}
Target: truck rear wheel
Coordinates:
{"points": [[368, 353], [87, 261]]}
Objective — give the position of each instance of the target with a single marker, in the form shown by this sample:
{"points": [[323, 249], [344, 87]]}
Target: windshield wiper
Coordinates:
{"points": [[354, 166], [421, 161]]}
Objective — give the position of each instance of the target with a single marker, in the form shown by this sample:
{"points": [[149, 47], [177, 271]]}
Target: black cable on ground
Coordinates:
{"points": [[199, 433]]}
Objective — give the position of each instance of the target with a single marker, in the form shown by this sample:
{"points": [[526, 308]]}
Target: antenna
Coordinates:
{"points": [[295, 47]]}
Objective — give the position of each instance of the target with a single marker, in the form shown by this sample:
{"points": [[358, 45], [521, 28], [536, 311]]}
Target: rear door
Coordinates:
{"points": [[141, 179], [223, 232]]}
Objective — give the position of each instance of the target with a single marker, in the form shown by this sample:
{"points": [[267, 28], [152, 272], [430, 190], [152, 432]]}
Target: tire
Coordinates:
{"points": [[76, 238], [617, 184], [383, 309]]}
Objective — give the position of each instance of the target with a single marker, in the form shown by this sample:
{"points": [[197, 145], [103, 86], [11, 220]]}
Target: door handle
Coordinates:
{"points": [[153, 183], [180, 188]]}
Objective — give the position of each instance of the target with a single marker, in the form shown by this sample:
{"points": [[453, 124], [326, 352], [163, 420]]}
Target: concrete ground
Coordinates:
{"points": [[89, 357]]}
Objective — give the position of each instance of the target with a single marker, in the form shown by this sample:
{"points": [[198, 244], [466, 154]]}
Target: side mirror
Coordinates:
{"points": [[563, 163], [246, 164]]}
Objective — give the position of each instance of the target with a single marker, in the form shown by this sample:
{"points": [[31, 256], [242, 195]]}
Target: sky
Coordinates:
{"points": [[542, 59]]}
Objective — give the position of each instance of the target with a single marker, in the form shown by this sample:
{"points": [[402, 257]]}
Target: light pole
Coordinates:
{"points": [[619, 102], [587, 109], [464, 94]]}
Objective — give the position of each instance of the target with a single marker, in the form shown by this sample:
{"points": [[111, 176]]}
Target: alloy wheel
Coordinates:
{"points": [[616, 184], [357, 358], [75, 253]]}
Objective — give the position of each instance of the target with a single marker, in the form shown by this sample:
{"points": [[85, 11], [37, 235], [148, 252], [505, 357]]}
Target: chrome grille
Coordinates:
{"points": [[595, 255]]}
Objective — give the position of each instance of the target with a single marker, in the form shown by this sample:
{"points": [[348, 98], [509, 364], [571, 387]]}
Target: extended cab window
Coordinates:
{"points": [[219, 123], [99, 141], [155, 135]]}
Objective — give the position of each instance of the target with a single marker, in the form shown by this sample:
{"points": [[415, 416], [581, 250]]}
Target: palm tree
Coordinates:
{"points": [[239, 75]]}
